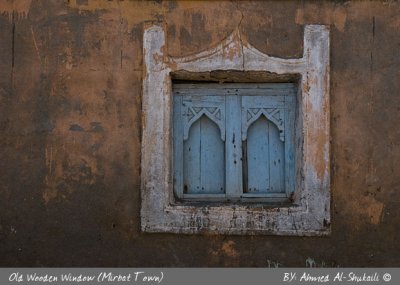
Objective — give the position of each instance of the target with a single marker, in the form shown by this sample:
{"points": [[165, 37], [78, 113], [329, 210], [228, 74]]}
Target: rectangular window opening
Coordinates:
{"points": [[234, 141]]}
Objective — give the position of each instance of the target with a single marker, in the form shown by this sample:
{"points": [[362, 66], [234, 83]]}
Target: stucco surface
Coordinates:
{"points": [[70, 127]]}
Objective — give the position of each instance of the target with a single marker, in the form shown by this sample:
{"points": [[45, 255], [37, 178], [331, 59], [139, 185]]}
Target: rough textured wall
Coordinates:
{"points": [[70, 125]]}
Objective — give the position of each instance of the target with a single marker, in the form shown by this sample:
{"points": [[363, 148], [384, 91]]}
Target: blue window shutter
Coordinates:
{"points": [[263, 133], [265, 160], [204, 159], [199, 147], [233, 140]]}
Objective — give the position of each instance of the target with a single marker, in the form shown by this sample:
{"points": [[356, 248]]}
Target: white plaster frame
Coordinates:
{"points": [[310, 213]]}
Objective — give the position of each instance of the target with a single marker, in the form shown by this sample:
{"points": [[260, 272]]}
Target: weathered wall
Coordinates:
{"points": [[70, 124]]}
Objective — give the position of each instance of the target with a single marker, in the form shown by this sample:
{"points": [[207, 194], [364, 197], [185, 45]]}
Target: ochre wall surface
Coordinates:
{"points": [[70, 130]]}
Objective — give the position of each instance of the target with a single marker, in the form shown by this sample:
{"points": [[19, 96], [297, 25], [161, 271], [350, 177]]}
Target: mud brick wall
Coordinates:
{"points": [[70, 130]]}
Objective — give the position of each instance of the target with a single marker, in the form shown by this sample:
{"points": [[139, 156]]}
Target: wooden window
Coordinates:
{"points": [[170, 128], [234, 141]]}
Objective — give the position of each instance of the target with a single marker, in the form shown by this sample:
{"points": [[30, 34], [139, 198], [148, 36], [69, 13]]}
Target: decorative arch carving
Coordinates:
{"points": [[274, 115], [193, 113]]}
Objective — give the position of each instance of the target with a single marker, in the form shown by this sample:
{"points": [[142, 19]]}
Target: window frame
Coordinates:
{"points": [[309, 213]]}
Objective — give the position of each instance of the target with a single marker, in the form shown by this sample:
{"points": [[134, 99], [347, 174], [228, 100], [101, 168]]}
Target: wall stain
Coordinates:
{"points": [[15, 9], [314, 14]]}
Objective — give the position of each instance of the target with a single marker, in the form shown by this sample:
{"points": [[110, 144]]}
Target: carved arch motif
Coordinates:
{"points": [[193, 114], [193, 109], [274, 115]]}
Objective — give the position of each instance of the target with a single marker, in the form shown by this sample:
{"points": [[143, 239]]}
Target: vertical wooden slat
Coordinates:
{"points": [[276, 160], [258, 156], [192, 160], [245, 168], [212, 168], [178, 146], [290, 104], [233, 146]]}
